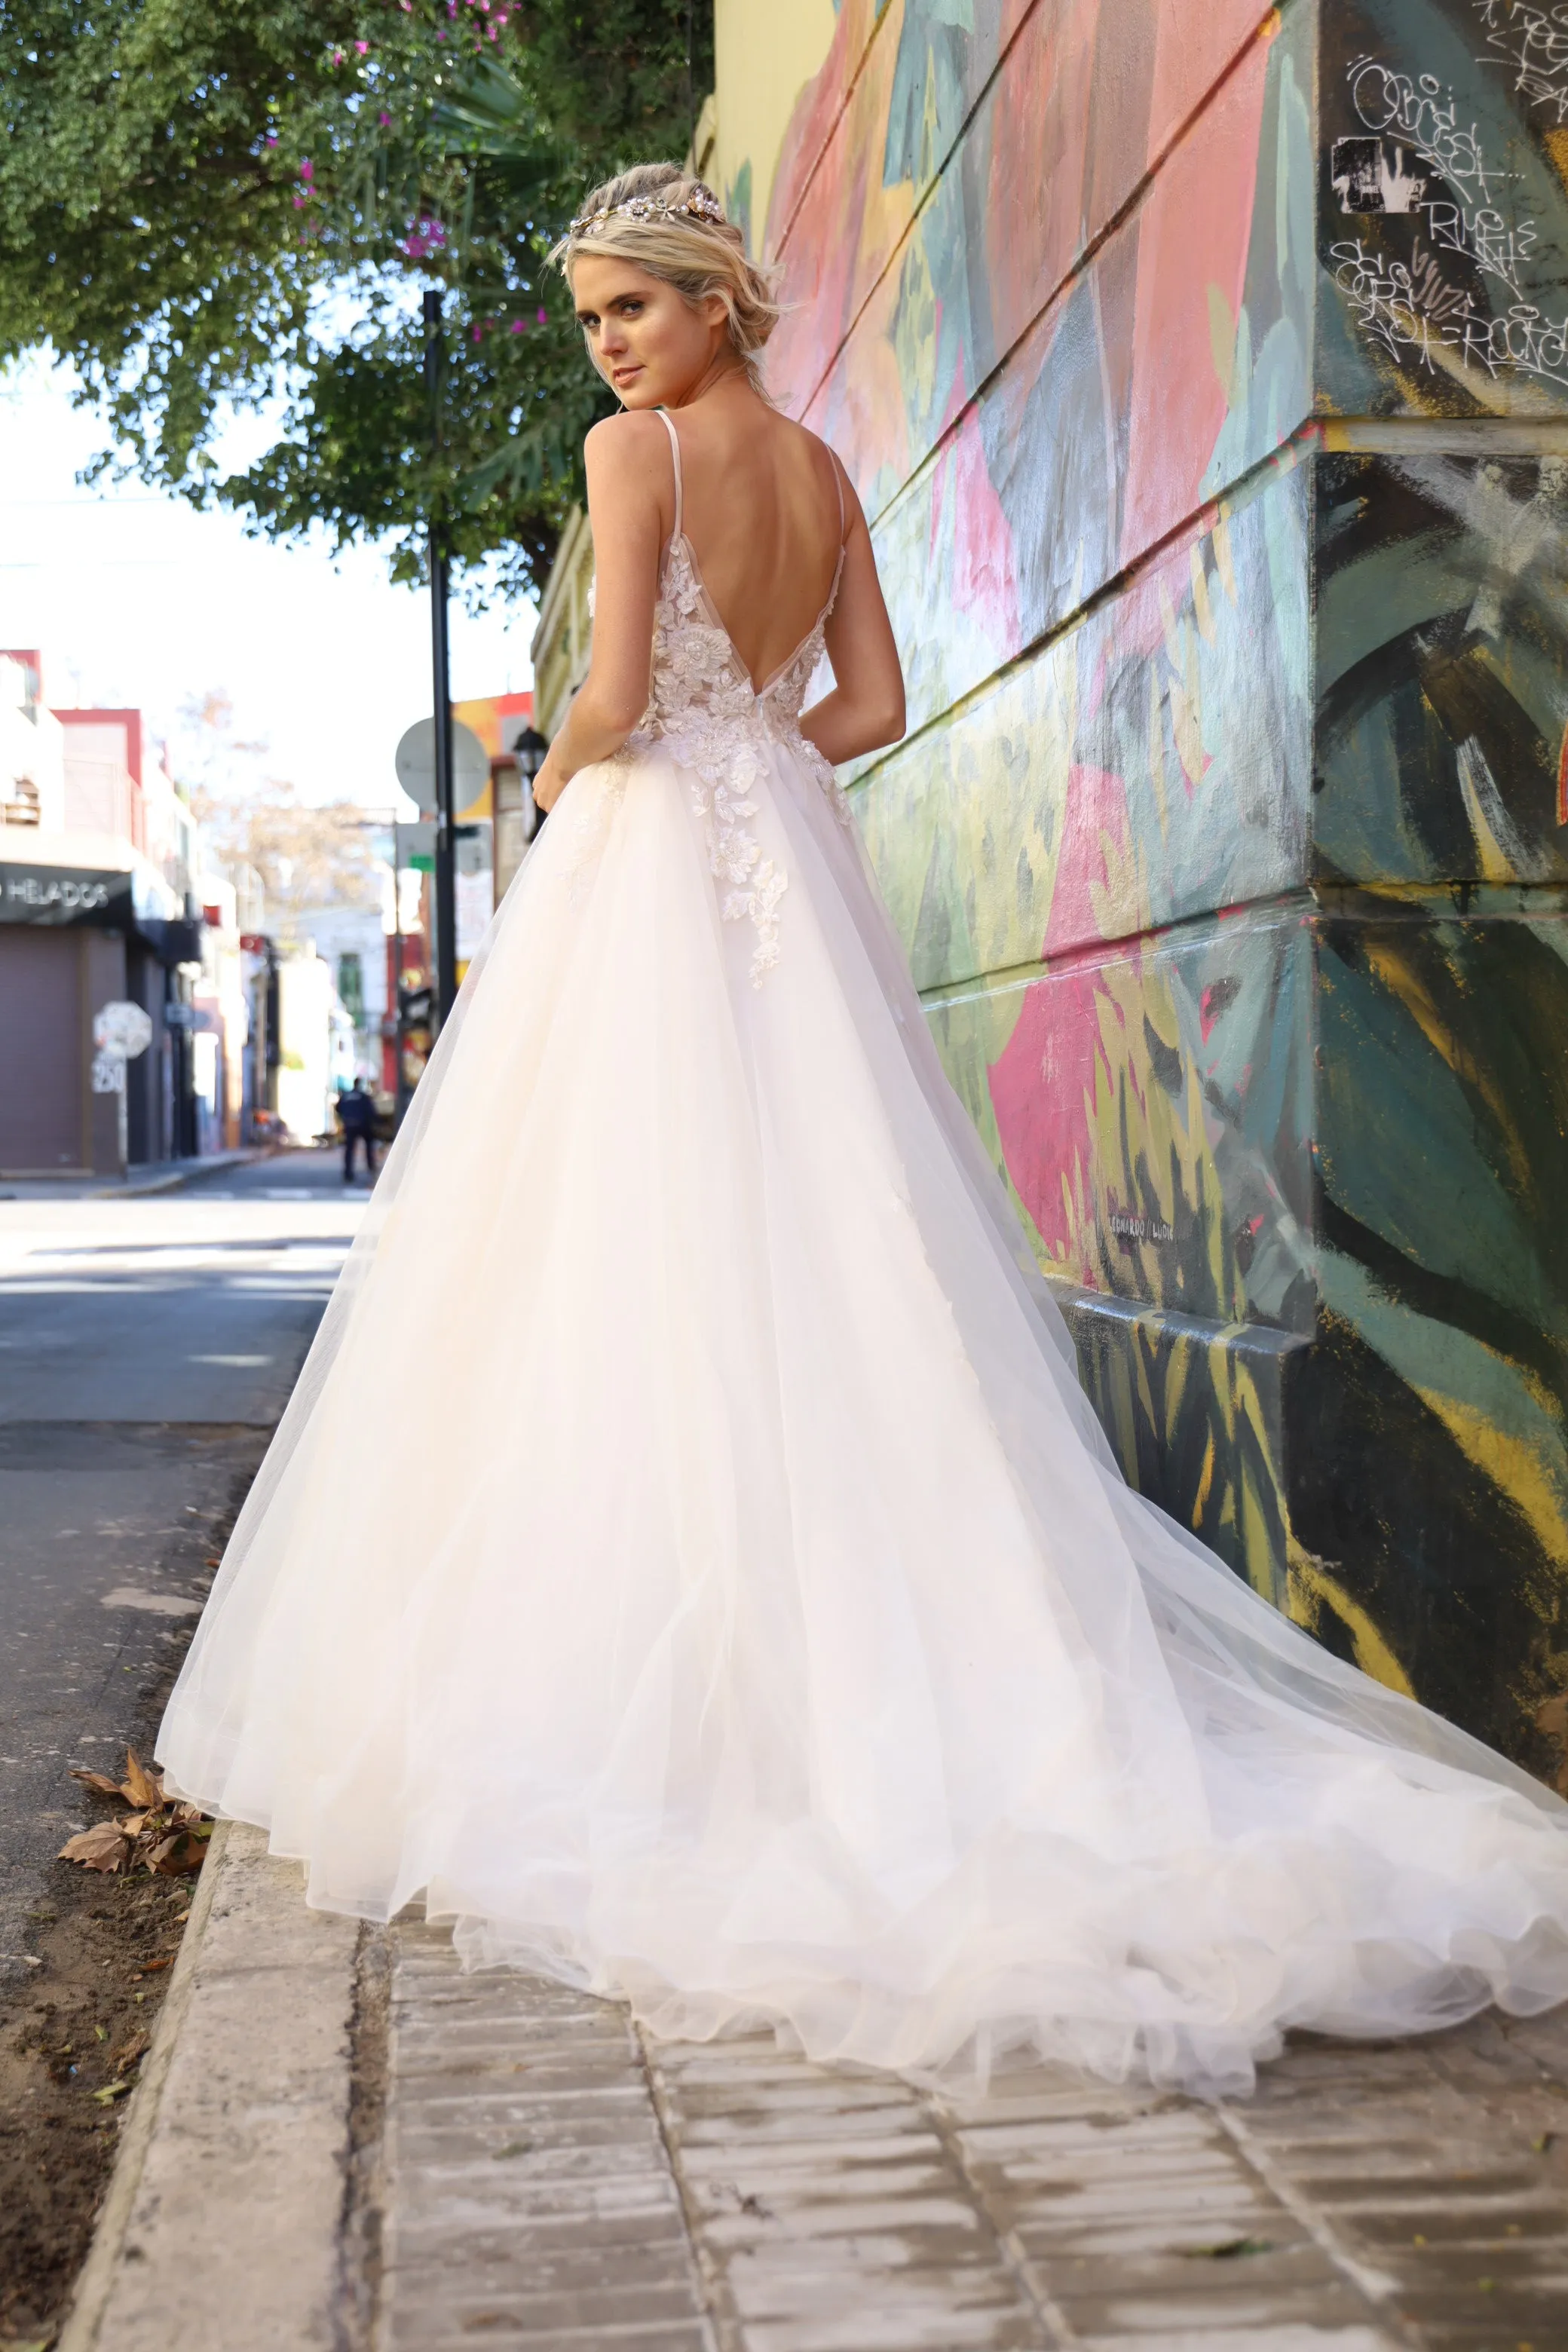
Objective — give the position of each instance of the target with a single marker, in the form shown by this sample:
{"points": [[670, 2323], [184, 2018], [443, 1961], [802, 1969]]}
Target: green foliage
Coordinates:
{"points": [[625, 81], [210, 205]]}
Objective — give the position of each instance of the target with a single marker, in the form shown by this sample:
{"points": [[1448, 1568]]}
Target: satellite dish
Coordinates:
{"points": [[416, 764]]}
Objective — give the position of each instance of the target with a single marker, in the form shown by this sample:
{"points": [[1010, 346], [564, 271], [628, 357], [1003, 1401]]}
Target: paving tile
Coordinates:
{"points": [[558, 2186]]}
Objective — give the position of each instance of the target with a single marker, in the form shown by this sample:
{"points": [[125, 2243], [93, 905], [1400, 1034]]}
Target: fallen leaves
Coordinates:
{"points": [[169, 1837], [102, 1847]]}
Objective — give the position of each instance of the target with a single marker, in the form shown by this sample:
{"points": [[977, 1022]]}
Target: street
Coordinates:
{"points": [[147, 1348]]}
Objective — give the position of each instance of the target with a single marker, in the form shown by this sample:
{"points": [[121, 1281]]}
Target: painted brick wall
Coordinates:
{"points": [[1204, 372]]}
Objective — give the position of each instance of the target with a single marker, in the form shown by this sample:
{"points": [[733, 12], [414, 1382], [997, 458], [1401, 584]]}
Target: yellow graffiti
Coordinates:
{"points": [[1384, 961], [1513, 1463], [1311, 1588]]}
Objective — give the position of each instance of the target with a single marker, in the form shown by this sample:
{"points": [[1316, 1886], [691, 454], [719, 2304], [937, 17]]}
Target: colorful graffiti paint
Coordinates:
{"points": [[1203, 373]]}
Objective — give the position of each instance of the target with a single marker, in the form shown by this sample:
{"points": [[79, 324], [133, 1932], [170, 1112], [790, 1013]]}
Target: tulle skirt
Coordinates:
{"points": [[690, 1565]]}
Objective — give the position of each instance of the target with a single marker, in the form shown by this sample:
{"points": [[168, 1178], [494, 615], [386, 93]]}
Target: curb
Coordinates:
{"points": [[239, 2129], [195, 1171], [173, 1180], [97, 2280]]}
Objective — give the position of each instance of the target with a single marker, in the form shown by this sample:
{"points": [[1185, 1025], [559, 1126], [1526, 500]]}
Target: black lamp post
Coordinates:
{"points": [[441, 679], [529, 752]]}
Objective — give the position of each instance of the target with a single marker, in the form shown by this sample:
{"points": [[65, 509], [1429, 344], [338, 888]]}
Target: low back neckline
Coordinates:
{"points": [[679, 537]]}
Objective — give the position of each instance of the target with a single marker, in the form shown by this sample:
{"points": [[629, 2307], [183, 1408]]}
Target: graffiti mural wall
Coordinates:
{"points": [[1204, 374]]}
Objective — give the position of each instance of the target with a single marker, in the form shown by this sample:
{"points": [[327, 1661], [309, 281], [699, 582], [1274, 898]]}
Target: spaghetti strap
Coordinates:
{"points": [[674, 452], [839, 486]]}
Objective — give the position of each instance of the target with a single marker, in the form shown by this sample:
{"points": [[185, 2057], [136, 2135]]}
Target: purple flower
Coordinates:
{"points": [[542, 316], [384, 118]]}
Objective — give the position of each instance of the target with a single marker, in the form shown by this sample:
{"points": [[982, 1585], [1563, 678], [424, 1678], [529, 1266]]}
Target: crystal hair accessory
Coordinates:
{"points": [[699, 203]]}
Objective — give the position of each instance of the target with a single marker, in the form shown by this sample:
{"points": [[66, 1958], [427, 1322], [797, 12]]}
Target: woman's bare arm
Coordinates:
{"points": [[622, 458], [865, 708]]}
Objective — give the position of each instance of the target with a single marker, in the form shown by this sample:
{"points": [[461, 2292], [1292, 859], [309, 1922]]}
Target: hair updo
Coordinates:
{"points": [[697, 256]]}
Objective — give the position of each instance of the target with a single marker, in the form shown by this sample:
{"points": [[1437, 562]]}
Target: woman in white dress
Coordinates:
{"points": [[747, 1619]]}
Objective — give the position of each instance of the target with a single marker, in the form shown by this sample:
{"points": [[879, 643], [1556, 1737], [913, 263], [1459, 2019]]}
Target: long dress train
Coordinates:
{"points": [[688, 1561]]}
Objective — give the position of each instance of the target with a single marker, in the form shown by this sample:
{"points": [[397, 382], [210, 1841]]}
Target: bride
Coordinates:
{"points": [[747, 1619]]}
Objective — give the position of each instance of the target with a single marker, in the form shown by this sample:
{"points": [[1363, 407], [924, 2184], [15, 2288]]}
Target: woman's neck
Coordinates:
{"points": [[724, 371]]}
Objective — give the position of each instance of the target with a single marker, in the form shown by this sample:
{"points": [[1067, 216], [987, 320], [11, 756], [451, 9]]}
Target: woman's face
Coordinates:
{"points": [[652, 346]]}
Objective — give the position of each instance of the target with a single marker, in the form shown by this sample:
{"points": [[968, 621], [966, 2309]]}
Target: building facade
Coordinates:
{"points": [[99, 870], [1205, 376]]}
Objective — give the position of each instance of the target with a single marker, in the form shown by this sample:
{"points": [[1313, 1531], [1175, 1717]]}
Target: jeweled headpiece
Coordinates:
{"points": [[699, 202]]}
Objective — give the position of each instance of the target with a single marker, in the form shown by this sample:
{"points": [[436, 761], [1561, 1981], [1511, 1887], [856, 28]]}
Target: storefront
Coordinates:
{"points": [[72, 941]]}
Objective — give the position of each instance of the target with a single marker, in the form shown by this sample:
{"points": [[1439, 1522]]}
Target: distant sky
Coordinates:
{"points": [[138, 600]]}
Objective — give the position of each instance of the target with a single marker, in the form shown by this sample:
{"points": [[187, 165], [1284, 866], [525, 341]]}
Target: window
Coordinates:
{"points": [[351, 985]]}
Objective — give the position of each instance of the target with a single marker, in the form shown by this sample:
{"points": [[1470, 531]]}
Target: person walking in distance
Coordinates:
{"points": [[356, 1115]]}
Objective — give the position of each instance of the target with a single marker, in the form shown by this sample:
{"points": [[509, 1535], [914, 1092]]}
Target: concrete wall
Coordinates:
{"points": [[1204, 372]]}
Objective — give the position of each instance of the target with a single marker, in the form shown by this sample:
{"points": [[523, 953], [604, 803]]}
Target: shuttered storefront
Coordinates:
{"points": [[42, 1031]]}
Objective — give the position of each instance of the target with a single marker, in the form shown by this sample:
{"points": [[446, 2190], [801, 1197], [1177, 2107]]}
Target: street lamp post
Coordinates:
{"points": [[529, 752], [441, 676]]}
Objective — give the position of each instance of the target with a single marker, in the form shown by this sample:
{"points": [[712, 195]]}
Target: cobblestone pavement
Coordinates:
{"points": [[552, 2182]]}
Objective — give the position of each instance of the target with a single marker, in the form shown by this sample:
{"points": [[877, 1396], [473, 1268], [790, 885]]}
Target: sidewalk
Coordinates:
{"points": [[158, 1176], [339, 2141]]}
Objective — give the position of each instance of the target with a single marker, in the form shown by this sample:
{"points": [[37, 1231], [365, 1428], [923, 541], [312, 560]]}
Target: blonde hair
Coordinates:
{"points": [[697, 256]]}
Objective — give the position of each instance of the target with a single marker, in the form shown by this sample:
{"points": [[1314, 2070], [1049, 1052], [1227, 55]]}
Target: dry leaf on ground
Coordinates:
{"points": [[143, 1788], [169, 1838], [105, 1846]]}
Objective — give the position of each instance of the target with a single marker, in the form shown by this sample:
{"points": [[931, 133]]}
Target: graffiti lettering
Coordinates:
{"points": [[1139, 1229], [1423, 112], [1375, 175], [1486, 237], [1410, 309], [1532, 43]]}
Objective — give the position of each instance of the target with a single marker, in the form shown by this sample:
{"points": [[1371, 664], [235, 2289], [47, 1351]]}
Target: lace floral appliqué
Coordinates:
{"points": [[705, 715]]}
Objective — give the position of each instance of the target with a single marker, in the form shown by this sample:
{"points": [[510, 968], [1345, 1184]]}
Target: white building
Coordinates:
{"points": [[353, 941], [32, 751]]}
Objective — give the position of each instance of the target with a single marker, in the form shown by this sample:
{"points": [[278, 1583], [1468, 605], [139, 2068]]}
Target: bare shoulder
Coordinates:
{"points": [[830, 459], [622, 444]]}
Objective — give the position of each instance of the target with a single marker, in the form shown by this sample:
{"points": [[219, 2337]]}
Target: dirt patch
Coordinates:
{"points": [[71, 2043]]}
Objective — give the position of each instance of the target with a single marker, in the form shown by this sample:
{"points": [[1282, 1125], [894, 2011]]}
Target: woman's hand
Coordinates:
{"points": [[549, 784]]}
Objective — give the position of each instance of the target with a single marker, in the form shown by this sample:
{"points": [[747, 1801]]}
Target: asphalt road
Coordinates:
{"points": [[147, 1348]]}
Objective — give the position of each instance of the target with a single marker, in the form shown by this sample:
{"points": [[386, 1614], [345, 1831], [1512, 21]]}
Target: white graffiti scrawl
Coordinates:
{"points": [[1419, 157], [1530, 44], [1414, 313]]}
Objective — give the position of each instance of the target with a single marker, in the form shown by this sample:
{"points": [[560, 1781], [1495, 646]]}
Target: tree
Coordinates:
{"points": [[301, 855], [216, 203]]}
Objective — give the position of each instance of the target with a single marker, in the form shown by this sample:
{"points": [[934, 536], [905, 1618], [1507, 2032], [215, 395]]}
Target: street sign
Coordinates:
{"points": [[416, 764], [121, 1029]]}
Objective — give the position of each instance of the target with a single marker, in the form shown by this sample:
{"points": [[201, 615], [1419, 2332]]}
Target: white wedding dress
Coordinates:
{"points": [[688, 1562]]}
